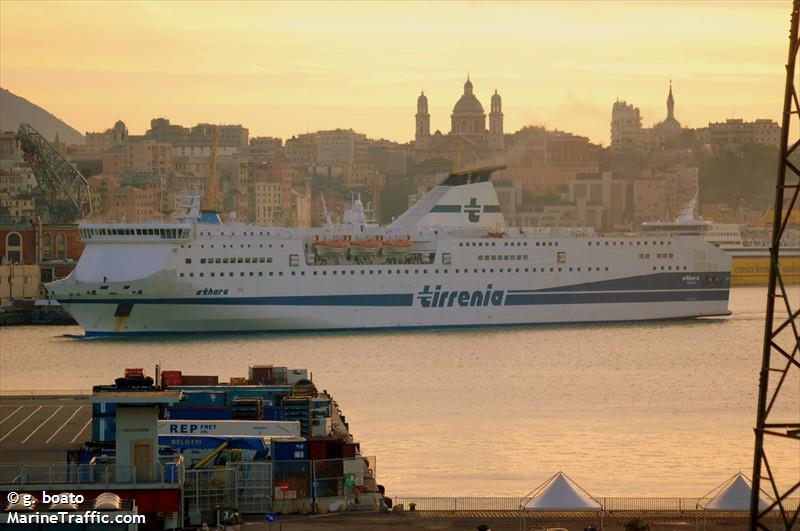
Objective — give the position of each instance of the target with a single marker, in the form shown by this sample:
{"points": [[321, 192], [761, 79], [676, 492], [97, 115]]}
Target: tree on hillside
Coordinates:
{"points": [[745, 178]]}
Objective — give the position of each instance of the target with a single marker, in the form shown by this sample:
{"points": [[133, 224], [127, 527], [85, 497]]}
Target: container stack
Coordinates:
{"points": [[299, 409], [171, 379], [248, 408]]}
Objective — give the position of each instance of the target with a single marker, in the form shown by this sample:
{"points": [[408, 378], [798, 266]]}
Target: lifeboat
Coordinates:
{"points": [[364, 247], [496, 234], [331, 247], [396, 247]]}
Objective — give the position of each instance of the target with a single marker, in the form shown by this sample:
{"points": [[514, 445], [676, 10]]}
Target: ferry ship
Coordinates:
{"points": [[748, 246], [448, 261]]}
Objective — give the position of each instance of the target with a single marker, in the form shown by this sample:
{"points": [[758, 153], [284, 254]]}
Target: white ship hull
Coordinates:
{"points": [[168, 318], [199, 277]]}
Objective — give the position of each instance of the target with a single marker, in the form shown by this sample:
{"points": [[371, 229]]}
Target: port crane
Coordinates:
{"points": [[62, 188]]}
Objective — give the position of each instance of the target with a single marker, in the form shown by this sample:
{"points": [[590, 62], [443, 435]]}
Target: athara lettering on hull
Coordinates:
{"points": [[437, 298]]}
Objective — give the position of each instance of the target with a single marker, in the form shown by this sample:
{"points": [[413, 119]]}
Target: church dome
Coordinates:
{"points": [[467, 103]]}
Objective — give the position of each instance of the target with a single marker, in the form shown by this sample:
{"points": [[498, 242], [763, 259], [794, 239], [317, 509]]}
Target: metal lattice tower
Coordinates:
{"points": [[778, 419], [64, 189]]}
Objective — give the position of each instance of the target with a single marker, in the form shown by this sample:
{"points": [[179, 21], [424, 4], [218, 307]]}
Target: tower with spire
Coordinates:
{"points": [[670, 104], [495, 137], [423, 132]]}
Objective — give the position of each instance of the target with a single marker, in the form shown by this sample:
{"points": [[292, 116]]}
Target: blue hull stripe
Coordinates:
{"points": [[407, 299], [532, 299], [655, 281]]}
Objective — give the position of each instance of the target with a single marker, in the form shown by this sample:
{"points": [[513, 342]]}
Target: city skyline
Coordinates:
{"points": [[283, 69]]}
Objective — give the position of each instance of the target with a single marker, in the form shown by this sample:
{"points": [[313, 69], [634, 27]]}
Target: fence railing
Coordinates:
{"points": [[90, 474], [459, 503], [466, 503]]}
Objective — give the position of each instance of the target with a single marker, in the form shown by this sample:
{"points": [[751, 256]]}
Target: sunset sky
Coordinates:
{"points": [[287, 68]]}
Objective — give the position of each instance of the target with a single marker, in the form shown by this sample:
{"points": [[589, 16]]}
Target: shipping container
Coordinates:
{"points": [[171, 378], [200, 380], [273, 413], [199, 413], [204, 399], [195, 447], [244, 428], [350, 450], [260, 374], [134, 373], [317, 450], [279, 375], [289, 449]]}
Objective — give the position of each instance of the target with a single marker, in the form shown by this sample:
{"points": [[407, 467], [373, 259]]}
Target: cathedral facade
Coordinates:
{"points": [[468, 140]]}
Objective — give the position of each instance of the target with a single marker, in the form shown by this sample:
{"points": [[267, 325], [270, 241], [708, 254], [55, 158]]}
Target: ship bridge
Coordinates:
{"points": [[135, 233]]}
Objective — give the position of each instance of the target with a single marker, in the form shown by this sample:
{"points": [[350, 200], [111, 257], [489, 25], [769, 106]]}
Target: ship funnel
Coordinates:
{"points": [[464, 199]]}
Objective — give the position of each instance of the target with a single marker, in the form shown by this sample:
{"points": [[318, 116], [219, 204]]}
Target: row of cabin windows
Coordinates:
{"points": [[401, 271], [630, 243], [239, 260], [163, 233], [659, 256], [231, 246], [505, 244], [668, 268], [492, 257], [245, 233]]}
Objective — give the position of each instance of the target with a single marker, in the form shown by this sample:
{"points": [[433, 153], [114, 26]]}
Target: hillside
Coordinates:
{"points": [[15, 110]]}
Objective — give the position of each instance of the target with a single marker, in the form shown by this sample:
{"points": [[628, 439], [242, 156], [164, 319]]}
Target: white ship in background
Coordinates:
{"points": [[450, 260], [747, 245]]}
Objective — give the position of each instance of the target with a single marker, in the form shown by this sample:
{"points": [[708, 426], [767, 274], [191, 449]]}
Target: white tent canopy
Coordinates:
{"points": [[734, 495], [560, 493]]}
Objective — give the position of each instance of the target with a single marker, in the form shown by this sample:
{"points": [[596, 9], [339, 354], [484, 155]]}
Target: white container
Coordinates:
{"points": [[321, 427], [244, 428]]}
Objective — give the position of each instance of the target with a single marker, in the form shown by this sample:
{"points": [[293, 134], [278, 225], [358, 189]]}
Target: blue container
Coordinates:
{"points": [[204, 399], [273, 413], [291, 450], [199, 413]]}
